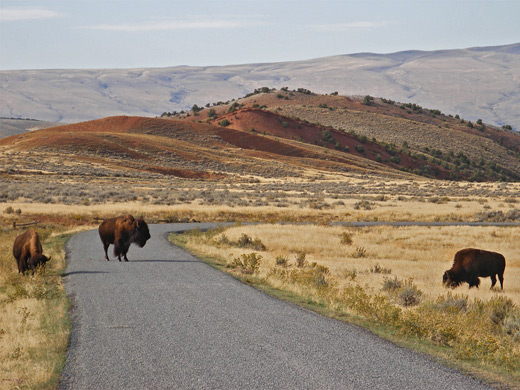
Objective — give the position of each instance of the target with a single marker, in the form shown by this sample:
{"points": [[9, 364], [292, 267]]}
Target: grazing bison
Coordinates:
{"points": [[121, 232], [470, 264], [27, 250]]}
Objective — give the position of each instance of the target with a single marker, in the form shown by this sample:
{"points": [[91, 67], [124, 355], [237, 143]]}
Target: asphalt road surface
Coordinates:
{"points": [[165, 320]]}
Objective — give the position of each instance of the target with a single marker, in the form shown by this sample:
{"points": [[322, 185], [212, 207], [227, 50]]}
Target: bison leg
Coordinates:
{"points": [[501, 278], [22, 265], [474, 282], [105, 247], [493, 280], [121, 249]]}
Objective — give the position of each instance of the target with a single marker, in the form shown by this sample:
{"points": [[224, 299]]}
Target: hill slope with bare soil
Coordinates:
{"points": [[402, 136], [273, 134], [144, 147]]}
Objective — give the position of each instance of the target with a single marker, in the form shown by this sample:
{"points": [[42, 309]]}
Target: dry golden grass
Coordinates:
{"points": [[34, 325], [420, 253], [354, 272], [376, 207]]}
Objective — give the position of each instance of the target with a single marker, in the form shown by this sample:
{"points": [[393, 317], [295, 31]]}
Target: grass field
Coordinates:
{"points": [[388, 279], [34, 322]]}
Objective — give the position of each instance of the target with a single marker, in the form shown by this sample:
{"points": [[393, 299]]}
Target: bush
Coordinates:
{"points": [[367, 100], [392, 284], [346, 238], [406, 292], [301, 259], [247, 263], [247, 242], [410, 295], [452, 304], [498, 308], [377, 269], [282, 261], [359, 252]]}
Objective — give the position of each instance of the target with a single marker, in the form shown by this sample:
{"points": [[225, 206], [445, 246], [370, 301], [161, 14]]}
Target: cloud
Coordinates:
{"points": [[339, 27], [174, 25], [14, 14]]}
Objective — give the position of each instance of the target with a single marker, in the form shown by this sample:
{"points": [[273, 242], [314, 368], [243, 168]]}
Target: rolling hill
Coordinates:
{"points": [[272, 134], [476, 83]]}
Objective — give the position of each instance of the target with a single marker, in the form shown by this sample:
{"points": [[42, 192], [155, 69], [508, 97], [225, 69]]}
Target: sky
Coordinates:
{"points": [[100, 34]]}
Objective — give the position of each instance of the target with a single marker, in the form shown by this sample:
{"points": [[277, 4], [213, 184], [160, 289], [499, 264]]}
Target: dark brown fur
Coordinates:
{"points": [[470, 264], [121, 232], [27, 250]]}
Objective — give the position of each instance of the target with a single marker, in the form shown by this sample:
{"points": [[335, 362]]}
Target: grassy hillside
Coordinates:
{"points": [[403, 136]]}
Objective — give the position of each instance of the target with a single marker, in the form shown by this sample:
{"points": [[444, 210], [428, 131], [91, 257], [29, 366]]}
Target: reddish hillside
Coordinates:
{"points": [[403, 136], [275, 134], [134, 146]]}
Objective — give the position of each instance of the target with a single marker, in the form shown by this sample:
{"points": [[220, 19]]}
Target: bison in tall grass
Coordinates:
{"points": [[121, 232], [27, 250], [470, 264]]}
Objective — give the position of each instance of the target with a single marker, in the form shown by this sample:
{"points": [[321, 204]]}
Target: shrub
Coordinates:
{"points": [[406, 293], [346, 238], [359, 252], [282, 261], [247, 263], [350, 274], [360, 149], [363, 204], [452, 304], [498, 308], [224, 123], [392, 284], [301, 259], [377, 269], [247, 242], [410, 295], [367, 100]]}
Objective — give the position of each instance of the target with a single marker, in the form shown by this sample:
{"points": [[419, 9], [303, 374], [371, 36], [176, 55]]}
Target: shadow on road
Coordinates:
{"points": [[82, 272], [164, 261]]}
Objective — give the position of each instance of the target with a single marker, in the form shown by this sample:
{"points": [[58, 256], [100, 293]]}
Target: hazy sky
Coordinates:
{"points": [[158, 33]]}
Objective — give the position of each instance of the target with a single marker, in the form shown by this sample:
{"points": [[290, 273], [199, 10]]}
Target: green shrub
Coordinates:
{"points": [[498, 308], [247, 263]]}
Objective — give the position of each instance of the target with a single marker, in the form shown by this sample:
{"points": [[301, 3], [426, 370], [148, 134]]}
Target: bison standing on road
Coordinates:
{"points": [[470, 264], [121, 232], [27, 250]]}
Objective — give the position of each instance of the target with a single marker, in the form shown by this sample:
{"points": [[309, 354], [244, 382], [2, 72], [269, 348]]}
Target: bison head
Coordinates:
{"points": [[39, 260], [449, 279], [141, 232]]}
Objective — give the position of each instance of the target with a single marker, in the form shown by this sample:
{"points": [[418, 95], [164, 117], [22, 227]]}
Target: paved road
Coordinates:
{"points": [[165, 320]]}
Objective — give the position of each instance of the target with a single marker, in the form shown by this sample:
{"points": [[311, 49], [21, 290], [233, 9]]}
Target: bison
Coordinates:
{"points": [[27, 250], [470, 264], [121, 232]]}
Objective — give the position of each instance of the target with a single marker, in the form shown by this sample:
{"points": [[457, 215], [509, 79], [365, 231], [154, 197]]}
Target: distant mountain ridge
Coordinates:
{"points": [[476, 83]]}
